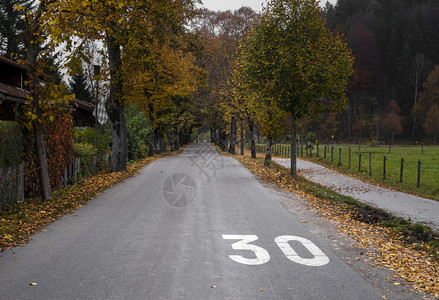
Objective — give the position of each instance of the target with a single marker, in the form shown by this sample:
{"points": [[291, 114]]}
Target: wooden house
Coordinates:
{"points": [[12, 92]]}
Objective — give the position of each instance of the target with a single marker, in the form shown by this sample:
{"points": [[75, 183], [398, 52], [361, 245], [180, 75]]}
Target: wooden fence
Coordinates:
{"points": [[11, 185], [12, 180], [416, 172], [71, 172]]}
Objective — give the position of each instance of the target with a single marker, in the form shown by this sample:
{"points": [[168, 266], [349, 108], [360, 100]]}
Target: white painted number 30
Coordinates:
{"points": [[262, 256]]}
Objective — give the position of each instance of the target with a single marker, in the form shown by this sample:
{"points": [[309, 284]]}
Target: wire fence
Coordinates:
{"points": [[410, 166]]}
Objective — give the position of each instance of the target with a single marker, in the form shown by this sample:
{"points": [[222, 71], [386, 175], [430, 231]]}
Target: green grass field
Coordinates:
{"points": [[429, 157]]}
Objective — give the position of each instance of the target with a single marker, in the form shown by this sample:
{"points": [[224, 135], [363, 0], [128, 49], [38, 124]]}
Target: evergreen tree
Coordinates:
{"points": [[11, 27], [78, 86]]}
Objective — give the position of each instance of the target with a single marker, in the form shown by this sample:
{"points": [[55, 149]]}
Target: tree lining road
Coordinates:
{"points": [[129, 243]]}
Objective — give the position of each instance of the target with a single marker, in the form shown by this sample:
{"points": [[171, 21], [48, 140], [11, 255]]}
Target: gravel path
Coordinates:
{"points": [[416, 209]]}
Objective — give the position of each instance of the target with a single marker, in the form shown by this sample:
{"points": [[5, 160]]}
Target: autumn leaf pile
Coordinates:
{"points": [[19, 221], [385, 247]]}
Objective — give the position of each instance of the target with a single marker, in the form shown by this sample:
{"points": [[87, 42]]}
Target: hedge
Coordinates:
{"points": [[11, 144]]}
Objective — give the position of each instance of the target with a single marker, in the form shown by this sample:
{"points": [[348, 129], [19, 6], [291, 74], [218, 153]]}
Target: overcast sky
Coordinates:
{"points": [[236, 4]]}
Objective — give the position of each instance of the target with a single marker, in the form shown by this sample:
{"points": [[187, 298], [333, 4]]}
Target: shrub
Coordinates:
{"points": [[59, 148], [11, 144], [138, 131], [86, 135], [59, 142], [11, 149]]}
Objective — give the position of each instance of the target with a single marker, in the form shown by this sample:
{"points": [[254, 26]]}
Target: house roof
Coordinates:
{"points": [[85, 105], [13, 94], [11, 63]]}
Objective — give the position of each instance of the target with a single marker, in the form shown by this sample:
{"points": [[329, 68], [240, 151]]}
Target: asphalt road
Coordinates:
{"points": [[168, 234]]}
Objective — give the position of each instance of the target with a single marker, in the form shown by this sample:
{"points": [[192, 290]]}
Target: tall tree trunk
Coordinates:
{"points": [[177, 139], [242, 137], [232, 135], [435, 137], [349, 111], [216, 137], [414, 115], [119, 139], [252, 139], [172, 139], [268, 151], [223, 140], [293, 146], [33, 48], [159, 142], [212, 135], [115, 107], [152, 144], [162, 143]]}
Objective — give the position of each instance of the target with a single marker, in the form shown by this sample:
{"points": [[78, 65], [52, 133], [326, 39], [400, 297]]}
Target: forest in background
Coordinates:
{"points": [[395, 44], [396, 47]]}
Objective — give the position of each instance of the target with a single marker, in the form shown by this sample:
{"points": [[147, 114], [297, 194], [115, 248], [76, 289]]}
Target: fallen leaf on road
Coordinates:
{"points": [[33, 283]]}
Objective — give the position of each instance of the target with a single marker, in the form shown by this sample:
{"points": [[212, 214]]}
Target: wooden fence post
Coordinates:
{"points": [[339, 157], [402, 170], [332, 153], [419, 174], [317, 154], [349, 157], [359, 162], [324, 155], [21, 183], [384, 168], [370, 163]]}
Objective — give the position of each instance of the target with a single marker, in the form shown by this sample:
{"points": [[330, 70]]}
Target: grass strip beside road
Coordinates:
{"points": [[410, 250], [19, 221]]}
